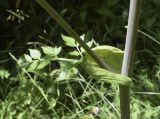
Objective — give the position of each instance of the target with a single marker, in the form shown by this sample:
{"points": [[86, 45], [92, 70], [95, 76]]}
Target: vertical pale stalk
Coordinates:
{"points": [[133, 21]]}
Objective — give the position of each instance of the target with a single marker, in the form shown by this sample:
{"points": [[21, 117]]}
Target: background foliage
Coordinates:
{"points": [[60, 89]]}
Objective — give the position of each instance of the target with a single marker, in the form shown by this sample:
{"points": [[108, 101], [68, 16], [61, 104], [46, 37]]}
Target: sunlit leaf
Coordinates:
{"points": [[68, 70], [51, 51], [104, 75], [35, 54], [53, 102], [69, 41], [42, 64], [112, 56], [27, 58], [33, 65], [48, 50], [22, 115], [74, 53], [57, 50], [4, 74]]}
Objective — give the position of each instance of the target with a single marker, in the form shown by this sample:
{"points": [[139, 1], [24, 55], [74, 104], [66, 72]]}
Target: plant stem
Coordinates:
{"points": [[133, 22], [71, 32]]}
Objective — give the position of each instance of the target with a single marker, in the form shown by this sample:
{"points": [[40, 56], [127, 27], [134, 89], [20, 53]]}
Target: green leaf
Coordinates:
{"points": [[33, 65], [57, 50], [74, 53], [53, 102], [68, 70], [35, 54], [87, 116], [48, 50], [69, 41], [42, 64], [27, 58], [50, 57], [4, 74], [37, 65], [112, 56], [22, 115], [90, 43], [51, 51], [104, 75]]}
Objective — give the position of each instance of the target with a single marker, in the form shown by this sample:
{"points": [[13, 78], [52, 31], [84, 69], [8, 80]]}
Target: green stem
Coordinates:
{"points": [[71, 32], [133, 22]]}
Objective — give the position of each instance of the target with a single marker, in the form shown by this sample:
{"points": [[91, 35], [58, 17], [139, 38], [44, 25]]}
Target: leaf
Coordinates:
{"points": [[21, 60], [50, 57], [48, 50], [42, 64], [27, 58], [74, 53], [4, 74], [22, 115], [53, 102], [112, 56], [33, 65], [51, 51], [57, 50], [90, 43], [35, 54], [69, 41], [87, 116], [82, 37], [37, 65], [68, 70], [103, 75]]}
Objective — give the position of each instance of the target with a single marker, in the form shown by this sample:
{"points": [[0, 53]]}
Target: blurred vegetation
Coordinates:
{"points": [[25, 25]]}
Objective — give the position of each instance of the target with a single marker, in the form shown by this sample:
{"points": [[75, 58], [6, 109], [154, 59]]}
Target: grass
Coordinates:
{"points": [[59, 89]]}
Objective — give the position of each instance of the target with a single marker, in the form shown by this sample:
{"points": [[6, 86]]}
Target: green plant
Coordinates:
{"points": [[60, 88]]}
